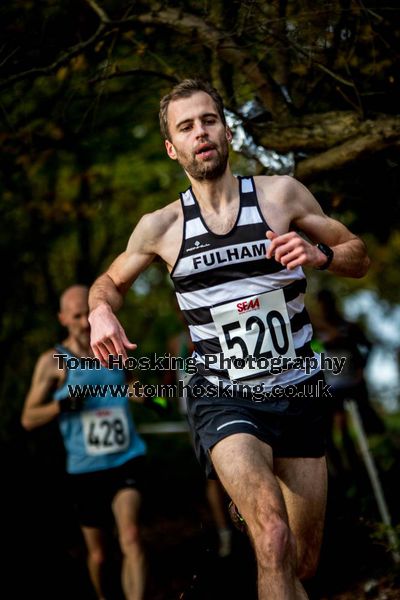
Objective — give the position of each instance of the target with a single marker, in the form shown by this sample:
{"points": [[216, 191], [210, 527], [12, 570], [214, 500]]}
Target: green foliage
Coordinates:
{"points": [[82, 158], [380, 535]]}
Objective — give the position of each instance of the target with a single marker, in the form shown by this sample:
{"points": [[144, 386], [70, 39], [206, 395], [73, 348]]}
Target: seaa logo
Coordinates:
{"points": [[248, 305]]}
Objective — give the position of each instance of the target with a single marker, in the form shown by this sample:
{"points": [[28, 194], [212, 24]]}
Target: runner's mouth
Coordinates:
{"points": [[205, 150]]}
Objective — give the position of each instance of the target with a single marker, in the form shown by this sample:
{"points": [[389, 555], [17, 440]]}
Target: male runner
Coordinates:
{"points": [[235, 257], [104, 452]]}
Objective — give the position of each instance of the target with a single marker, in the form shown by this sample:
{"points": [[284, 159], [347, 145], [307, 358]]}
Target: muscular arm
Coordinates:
{"points": [[110, 288], [107, 293], [37, 409], [350, 255]]}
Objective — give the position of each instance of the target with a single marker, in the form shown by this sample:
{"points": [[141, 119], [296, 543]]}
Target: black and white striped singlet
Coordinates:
{"points": [[229, 274]]}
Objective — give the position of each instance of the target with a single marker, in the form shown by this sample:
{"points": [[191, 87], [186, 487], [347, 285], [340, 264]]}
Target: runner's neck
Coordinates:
{"points": [[214, 196]]}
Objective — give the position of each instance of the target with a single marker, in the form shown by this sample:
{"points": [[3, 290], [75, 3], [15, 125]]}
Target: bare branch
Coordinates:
{"points": [[228, 51], [132, 72], [319, 131], [383, 133], [98, 10], [307, 133], [319, 65], [65, 58], [333, 75], [209, 35], [7, 58]]}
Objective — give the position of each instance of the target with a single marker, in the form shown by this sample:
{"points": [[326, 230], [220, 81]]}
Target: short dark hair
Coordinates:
{"points": [[185, 89]]}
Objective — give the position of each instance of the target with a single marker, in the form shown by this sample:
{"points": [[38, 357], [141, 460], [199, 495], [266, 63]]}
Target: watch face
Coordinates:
{"points": [[325, 249], [328, 253]]}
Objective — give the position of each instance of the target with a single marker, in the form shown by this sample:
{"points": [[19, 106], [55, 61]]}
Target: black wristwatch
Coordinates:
{"points": [[329, 256]]}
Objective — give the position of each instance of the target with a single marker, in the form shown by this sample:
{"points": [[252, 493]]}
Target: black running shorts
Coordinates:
{"points": [[93, 493], [293, 424]]}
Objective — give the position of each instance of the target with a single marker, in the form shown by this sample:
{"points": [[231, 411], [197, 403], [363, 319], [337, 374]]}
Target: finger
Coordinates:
{"points": [[286, 248], [119, 347], [276, 244], [297, 262], [100, 353], [110, 349], [278, 241], [288, 257], [285, 238], [97, 351], [126, 342], [271, 235]]}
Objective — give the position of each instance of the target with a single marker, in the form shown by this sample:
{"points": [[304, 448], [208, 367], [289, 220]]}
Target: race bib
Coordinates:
{"points": [[105, 430], [252, 331]]}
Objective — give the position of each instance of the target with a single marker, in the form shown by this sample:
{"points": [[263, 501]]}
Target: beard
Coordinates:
{"points": [[83, 339], [206, 170]]}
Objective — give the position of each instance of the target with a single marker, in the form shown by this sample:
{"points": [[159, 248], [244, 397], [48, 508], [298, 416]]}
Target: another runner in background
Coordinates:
{"points": [[104, 452]]}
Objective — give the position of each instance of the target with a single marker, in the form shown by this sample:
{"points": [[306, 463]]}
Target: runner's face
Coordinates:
{"points": [[74, 317], [199, 139]]}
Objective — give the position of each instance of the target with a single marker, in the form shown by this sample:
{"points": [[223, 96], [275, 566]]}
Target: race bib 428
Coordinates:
{"points": [[105, 430]]}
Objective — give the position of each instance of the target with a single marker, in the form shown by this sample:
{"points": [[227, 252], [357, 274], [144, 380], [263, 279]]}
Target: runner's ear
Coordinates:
{"points": [[170, 150], [61, 318]]}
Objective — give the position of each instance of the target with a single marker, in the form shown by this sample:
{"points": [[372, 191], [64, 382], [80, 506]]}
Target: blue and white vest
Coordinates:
{"points": [[102, 435]]}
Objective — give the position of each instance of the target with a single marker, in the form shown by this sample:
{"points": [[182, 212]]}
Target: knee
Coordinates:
{"points": [[273, 541], [129, 539], [97, 557]]}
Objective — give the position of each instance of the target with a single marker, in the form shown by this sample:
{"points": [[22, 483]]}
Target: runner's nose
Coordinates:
{"points": [[199, 129]]}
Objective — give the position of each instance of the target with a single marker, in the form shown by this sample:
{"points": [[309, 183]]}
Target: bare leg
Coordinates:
{"points": [[245, 467], [126, 508], [303, 482], [95, 544]]}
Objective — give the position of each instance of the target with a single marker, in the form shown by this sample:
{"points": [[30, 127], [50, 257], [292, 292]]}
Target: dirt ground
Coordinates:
{"points": [[43, 553], [201, 575]]}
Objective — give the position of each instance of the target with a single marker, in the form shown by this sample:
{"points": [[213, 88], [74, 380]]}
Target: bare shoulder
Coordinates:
{"points": [[48, 360], [276, 195], [159, 219], [279, 188], [47, 366], [285, 201], [155, 226], [158, 233]]}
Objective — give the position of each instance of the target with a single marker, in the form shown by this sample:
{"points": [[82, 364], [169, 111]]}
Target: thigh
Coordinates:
{"points": [[244, 465], [126, 497], [126, 506], [303, 482], [95, 540]]}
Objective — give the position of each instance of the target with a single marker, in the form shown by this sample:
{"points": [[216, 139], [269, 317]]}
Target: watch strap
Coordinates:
{"points": [[329, 256]]}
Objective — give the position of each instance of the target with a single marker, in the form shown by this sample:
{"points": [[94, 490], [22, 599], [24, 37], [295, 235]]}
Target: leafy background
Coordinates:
{"points": [[316, 83]]}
